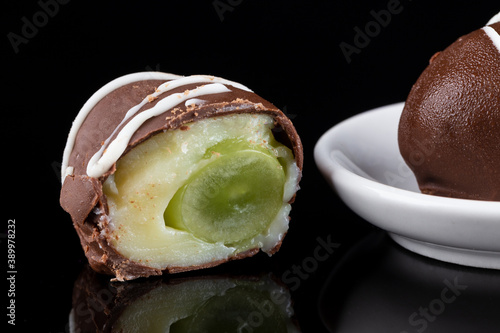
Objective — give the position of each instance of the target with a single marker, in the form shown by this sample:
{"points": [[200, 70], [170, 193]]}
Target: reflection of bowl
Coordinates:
{"points": [[360, 158], [198, 304], [380, 287]]}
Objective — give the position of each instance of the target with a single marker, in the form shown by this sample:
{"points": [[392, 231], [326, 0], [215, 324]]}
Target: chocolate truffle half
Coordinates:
{"points": [[165, 173], [449, 131]]}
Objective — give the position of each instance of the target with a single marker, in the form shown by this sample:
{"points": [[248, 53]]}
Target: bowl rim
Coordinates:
{"points": [[329, 166]]}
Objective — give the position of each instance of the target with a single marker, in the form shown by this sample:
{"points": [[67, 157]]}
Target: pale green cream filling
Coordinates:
{"points": [[148, 176]]}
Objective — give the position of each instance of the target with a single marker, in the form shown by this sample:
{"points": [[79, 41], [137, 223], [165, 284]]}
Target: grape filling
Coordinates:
{"points": [[233, 198], [218, 187]]}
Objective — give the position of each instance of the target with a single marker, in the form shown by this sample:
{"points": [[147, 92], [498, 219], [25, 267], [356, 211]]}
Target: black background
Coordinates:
{"points": [[286, 51]]}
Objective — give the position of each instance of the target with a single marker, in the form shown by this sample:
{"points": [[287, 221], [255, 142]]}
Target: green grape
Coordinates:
{"points": [[234, 197]]}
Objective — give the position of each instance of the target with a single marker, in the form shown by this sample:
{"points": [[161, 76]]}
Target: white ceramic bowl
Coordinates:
{"points": [[360, 159]]}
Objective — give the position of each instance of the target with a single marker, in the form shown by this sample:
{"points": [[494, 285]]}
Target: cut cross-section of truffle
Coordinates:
{"points": [[449, 132], [165, 173]]}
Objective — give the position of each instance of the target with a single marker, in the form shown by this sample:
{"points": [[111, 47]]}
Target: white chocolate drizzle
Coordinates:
{"points": [[101, 162], [194, 101], [494, 36], [111, 151]]}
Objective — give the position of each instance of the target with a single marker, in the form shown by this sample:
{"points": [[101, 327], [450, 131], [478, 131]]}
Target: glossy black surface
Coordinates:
{"points": [[309, 59], [398, 291]]}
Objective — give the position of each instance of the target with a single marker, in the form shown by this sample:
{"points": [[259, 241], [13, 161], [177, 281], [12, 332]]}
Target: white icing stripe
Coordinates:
{"points": [[93, 100], [100, 163], [494, 36], [173, 82], [194, 101]]}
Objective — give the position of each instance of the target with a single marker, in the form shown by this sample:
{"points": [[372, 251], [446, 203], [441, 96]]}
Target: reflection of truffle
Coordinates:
{"points": [[198, 304], [164, 173], [449, 132]]}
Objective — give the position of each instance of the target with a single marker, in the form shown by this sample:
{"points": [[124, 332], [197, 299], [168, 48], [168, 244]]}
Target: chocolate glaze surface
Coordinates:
{"points": [[449, 132], [82, 196]]}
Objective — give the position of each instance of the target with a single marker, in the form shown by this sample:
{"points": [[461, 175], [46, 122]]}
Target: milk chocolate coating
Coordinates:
{"points": [[449, 131], [82, 196]]}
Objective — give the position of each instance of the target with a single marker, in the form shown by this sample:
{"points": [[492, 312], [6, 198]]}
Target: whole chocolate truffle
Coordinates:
{"points": [[449, 131], [166, 173]]}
